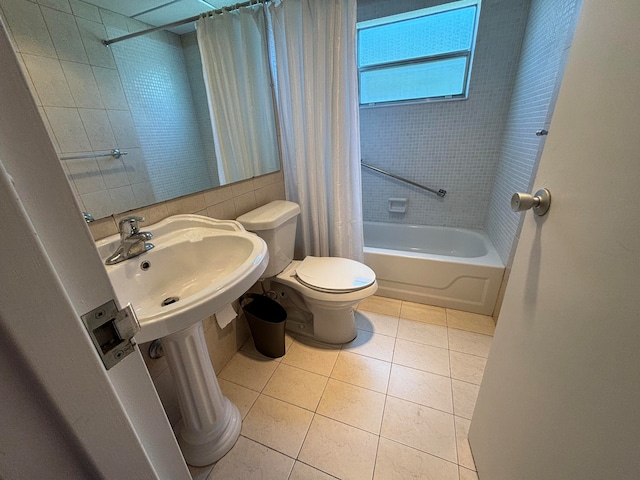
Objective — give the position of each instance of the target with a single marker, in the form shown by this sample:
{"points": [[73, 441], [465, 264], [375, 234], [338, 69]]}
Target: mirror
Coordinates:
{"points": [[144, 96]]}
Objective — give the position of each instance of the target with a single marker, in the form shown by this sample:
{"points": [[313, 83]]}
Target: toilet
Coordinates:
{"points": [[318, 293]]}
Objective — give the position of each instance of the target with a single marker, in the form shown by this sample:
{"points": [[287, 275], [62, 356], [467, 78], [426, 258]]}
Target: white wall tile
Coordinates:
{"points": [[62, 5], [82, 84], [92, 35], [122, 199], [68, 129], [86, 175], [84, 10], [550, 26], [123, 128], [113, 172], [135, 165], [96, 124], [65, 35], [49, 81], [110, 88], [97, 203], [27, 27], [451, 145], [143, 193]]}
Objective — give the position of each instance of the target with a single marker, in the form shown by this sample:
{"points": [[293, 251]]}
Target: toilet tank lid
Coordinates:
{"points": [[269, 216]]}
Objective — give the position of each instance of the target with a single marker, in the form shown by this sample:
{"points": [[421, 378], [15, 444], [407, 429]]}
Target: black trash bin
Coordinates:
{"points": [[266, 319]]}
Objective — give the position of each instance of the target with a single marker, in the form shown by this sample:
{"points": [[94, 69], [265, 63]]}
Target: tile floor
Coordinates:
{"points": [[395, 403]]}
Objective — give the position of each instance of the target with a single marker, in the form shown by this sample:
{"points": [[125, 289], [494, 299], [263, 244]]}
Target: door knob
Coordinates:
{"points": [[540, 202]]}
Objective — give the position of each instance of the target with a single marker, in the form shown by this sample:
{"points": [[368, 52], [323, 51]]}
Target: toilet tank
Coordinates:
{"points": [[275, 223]]}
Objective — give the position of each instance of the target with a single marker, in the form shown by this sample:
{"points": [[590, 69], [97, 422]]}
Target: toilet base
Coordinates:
{"points": [[332, 323]]}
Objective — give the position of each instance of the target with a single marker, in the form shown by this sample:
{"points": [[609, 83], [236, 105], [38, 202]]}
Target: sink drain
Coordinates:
{"points": [[169, 301]]}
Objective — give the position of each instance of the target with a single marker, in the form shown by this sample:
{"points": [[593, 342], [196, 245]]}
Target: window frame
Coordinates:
{"points": [[423, 12]]}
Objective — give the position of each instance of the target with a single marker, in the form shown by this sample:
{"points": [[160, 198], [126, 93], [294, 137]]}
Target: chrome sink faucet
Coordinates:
{"points": [[133, 242]]}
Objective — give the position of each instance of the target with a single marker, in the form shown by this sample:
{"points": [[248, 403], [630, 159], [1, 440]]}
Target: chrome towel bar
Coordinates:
{"points": [[440, 192], [116, 153]]}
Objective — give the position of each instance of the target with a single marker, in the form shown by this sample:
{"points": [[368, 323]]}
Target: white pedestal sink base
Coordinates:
{"points": [[210, 423]]}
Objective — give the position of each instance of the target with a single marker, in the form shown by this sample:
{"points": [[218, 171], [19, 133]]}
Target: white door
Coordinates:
{"points": [[561, 394], [62, 414]]}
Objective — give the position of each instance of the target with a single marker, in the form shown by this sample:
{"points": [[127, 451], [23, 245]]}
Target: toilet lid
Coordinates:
{"points": [[333, 274]]}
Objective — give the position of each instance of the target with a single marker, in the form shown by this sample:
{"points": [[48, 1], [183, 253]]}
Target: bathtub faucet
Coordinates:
{"points": [[133, 242]]}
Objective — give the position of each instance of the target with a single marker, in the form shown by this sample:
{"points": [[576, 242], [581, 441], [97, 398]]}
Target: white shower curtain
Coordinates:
{"points": [[235, 64], [317, 98]]}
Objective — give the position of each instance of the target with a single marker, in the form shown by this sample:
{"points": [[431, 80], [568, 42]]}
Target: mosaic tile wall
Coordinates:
{"points": [[453, 145], [548, 37], [156, 83]]}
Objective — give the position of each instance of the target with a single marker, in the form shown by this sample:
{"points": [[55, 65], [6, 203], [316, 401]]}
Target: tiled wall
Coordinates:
{"points": [[92, 102], [452, 145], [76, 85], [156, 83], [548, 36]]}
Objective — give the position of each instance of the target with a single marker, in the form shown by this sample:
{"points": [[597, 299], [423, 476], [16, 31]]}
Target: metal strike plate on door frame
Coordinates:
{"points": [[112, 331]]}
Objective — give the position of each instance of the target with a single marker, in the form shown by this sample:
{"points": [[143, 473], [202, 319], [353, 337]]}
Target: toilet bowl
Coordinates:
{"points": [[318, 293]]}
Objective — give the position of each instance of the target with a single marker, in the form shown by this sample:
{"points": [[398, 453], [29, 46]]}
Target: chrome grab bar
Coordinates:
{"points": [[116, 153], [440, 192]]}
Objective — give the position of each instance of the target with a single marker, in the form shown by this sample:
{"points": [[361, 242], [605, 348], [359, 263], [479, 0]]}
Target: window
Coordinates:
{"points": [[419, 55]]}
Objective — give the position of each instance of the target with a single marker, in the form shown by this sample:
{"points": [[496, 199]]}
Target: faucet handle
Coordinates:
{"points": [[129, 225]]}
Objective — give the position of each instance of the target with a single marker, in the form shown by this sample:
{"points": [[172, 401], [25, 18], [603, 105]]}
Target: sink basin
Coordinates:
{"points": [[198, 266]]}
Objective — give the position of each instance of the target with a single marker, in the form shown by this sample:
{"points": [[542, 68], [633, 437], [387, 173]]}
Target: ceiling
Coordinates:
{"points": [[161, 12]]}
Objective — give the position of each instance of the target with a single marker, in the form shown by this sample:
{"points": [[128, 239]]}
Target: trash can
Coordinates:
{"points": [[266, 319]]}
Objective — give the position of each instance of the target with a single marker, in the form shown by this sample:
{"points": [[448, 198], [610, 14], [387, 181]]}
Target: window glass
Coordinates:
{"points": [[419, 55]]}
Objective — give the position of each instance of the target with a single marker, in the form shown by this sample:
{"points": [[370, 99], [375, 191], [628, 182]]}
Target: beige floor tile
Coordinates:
{"points": [[417, 426], [464, 398], [249, 371], [362, 371], [355, 406], [466, 474], [420, 332], [423, 313], [471, 322], [372, 345], [423, 357], [264, 464], [465, 458], [387, 306], [277, 424], [468, 368], [469, 342], [396, 461], [296, 386], [421, 387], [313, 356], [241, 397], [250, 347], [340, 450], [200, 473], [376, 322], [302, 471]]}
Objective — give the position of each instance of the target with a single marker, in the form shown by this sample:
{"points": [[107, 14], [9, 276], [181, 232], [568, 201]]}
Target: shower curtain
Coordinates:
{"points": [[233, 48], [317, 98], [313, 56]]}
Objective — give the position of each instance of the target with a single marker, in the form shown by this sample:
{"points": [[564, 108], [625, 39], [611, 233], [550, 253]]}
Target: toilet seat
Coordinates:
{"points": [[334, 274]]}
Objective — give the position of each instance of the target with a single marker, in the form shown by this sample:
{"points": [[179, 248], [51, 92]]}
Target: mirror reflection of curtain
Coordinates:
{"points": [[235, 63], [317, 96]]}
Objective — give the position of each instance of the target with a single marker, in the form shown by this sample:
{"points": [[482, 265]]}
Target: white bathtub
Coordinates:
{"points": [[447, 267]]}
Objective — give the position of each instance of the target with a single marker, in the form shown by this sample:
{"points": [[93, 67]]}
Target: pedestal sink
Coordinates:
{"points": [[198, 266]]}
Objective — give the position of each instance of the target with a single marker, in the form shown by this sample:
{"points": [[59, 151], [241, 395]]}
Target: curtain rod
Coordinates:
{"points": [[183, 21]]}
